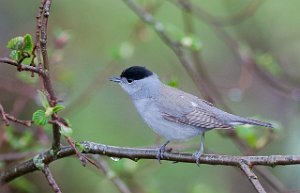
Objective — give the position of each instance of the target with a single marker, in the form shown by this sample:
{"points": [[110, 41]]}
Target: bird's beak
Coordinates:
{"points": [[115, 79]]}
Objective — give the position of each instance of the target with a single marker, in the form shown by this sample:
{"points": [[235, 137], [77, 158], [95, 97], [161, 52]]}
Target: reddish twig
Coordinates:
{"points": [[22, 122], [50, 179], [23, 67], [6, 118], [36, 48], [3, 114], [83, 160]]}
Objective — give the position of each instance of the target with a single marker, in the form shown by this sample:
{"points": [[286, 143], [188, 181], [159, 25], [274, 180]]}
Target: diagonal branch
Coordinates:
{"points": [[50, 179], [252, 177], [102, 165], [141, 153], [175, 47]]}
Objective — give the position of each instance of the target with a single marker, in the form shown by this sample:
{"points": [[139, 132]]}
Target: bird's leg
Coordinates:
{"points": [[199, 153], [161, 150]]}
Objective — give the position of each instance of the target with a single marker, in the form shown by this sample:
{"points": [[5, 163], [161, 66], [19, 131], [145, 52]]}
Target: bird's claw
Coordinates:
{"points": [[161, 150], [197, 155], [160, 154]]}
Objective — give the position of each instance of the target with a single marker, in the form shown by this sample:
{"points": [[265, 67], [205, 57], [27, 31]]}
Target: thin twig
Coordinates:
{"points": [[41, 45], [252, 177], [22, 122], [43, 33], [50, 179], [237, 18], [23, 67], [80, 156], [141, 153], [102, 165], [6, 118], [3, 114]]}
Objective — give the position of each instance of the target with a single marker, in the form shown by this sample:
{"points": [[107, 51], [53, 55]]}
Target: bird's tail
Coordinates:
{"points": [[256, 122]]}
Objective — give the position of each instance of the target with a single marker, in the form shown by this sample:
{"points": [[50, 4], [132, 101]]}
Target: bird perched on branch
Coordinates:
{"points": [[172, 113]]}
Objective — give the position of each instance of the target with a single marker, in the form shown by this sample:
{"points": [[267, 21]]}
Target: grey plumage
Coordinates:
{"points": [[172, 113]]}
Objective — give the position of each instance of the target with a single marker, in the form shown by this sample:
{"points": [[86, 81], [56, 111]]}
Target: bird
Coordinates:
{"points": [[172, 113]]}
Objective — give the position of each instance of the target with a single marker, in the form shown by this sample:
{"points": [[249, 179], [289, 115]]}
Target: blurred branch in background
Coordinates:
{"points": [[244, 54], [102, 165]]}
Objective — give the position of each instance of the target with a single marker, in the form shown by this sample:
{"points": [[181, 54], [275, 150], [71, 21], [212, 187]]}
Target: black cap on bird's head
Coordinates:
{"points": [[133, 73], [136, 73]]}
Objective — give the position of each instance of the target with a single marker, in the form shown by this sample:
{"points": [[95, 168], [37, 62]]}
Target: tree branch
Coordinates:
{"points": [[141, 153], [7, 118], [50, 179], [23, 67], [102, 165], [252, 177]]}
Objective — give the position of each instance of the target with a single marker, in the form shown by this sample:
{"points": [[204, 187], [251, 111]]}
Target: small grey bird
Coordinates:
{"points": [[172, 113]]}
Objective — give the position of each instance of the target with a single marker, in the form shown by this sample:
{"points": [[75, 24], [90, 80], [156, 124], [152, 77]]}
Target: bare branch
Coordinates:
{"points": [[252, 177], [50, 179], [237, 18], [3, 114], [6, 118], [22, 67], [141, 153], [43, 33], [102, 165]]}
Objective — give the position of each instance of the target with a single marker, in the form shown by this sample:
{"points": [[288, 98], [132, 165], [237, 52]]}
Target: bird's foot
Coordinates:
{"points": [[197, 155], [160, 152]]}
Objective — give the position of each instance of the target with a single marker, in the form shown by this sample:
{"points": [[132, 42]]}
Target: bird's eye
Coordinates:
{"points": [[130, 80]]}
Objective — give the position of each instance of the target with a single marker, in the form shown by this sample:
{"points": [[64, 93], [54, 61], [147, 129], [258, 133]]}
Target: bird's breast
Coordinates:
{"points": [[151, 114]]}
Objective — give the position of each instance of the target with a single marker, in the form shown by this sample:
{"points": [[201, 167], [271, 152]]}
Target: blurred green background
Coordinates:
{"points": [[89, 41]]}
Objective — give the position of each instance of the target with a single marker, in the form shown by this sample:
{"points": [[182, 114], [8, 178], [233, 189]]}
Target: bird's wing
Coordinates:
{"points": [[198, 118], [188, 109]]}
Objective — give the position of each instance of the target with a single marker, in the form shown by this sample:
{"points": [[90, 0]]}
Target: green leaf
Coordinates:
{"points": [[193, 42], [28, 43], [65, 131], [49, 111], [80, 147], [58, 108], [173, 83], [39, 117], [247, 133], [38, 162], [267, 62], [15, 55], [16, 43], [43, 99]]}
